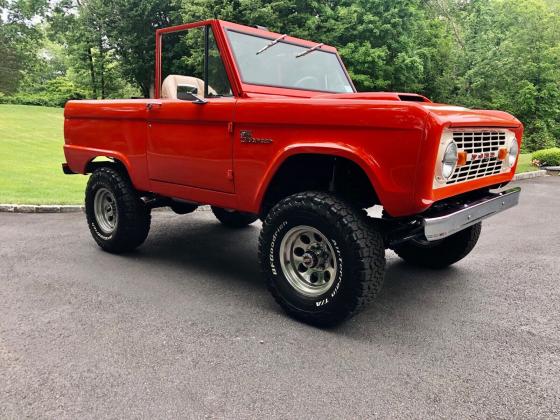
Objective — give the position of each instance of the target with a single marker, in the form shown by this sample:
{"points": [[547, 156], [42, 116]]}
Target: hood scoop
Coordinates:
{"points": [[412, 97], [378, 96]]}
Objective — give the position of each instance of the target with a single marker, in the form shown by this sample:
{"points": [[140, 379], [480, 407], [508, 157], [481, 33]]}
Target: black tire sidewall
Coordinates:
{"points": [[335, 295], [98, 181], [133, 217]]}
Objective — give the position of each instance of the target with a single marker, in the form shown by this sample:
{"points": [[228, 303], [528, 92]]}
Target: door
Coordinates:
{"points": [[189, 127]]}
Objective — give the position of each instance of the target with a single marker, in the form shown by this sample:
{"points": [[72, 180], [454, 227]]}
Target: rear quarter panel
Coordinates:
{"points": [[114, 128]]}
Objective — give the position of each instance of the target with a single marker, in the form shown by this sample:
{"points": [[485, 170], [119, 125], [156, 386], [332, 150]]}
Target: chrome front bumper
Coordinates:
{"points": [[450, 221]]}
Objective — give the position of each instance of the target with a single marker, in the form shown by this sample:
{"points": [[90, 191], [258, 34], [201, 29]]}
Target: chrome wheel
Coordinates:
{"points": [[105, 210], [308, 260]]}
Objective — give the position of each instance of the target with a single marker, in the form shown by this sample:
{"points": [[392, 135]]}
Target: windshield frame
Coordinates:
{"points": [[271, 36], [216, 26], [240, 88]]}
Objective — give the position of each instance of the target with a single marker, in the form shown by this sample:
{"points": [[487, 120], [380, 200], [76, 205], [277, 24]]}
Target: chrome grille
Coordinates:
{"points": [[479, 141], [483, 141]]}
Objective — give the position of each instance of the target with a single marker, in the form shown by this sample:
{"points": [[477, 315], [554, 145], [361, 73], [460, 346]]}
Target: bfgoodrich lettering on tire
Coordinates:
{"points": [[117, 218], [322, 260]]}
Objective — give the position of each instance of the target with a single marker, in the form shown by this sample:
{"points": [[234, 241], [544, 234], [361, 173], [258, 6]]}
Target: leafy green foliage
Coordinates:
{"points": [[10, 66], [386, 45], [130, 27], [489, 54], [511, 61], [19, 40], [548, 157], [94, 64]]}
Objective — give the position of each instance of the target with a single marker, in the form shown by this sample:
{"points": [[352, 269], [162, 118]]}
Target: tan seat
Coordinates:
{"points": [[173, 81]]}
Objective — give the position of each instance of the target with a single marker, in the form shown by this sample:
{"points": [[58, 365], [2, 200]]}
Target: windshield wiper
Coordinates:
{"points": [[310, 50], [271, 44]]}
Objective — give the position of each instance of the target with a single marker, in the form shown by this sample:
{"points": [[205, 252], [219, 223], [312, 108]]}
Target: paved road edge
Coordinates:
{"points": [[55, 208], [529, 175]]}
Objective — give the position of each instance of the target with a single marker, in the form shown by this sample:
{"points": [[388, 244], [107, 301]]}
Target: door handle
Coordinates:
{"points": [[152, 105]]}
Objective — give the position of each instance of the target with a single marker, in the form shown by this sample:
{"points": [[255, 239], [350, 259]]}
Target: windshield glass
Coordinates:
{"points": [[279, 65]]}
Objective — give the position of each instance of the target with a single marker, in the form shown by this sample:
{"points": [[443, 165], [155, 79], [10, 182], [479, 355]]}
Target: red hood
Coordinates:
{"points": [[454, 116], [457, 116], [378, 96]]}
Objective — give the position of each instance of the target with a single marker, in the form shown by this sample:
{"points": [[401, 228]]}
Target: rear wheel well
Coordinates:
{"points": [[105, 161], [327, 173]]}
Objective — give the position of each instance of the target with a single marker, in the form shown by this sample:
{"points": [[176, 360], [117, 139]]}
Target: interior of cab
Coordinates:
{"points": [[176, 86], [189, 59]]}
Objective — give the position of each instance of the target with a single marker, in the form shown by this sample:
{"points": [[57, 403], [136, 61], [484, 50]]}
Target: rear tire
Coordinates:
{"points": [[117, 218], [309, 234], [183, 208], [233, 219], [442, 253]]}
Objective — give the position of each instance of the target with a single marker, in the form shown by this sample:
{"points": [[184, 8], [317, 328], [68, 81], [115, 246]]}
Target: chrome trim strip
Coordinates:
{"points": [[444, 225]]}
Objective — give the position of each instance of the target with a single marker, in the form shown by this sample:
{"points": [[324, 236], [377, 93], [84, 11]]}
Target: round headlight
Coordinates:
{"points": [[513, 152], [449, 160]]}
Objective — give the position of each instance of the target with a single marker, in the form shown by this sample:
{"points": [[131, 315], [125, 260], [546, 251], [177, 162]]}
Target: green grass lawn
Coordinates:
{"points": [[31, 140], [524, 164]]}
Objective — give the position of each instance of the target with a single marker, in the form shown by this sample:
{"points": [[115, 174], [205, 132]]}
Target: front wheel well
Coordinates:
{"points": [[327, 173]]}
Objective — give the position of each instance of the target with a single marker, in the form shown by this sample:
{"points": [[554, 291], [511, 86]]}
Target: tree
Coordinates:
{"points": [[18, 40], [386, 44], [130, 28], [76, 24], [499, 54], [10, 66], [511, 61]]}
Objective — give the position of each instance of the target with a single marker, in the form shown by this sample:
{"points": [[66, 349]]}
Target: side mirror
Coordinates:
{"points": [[195, 99], [188, 93]]}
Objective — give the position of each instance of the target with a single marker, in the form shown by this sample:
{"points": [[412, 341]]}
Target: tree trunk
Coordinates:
{"points": [[102, 68], [92, 73], [145, 89]]}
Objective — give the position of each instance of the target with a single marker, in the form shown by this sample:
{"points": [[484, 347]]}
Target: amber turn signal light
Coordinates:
{"points": [[461, 158], [502, 153]]}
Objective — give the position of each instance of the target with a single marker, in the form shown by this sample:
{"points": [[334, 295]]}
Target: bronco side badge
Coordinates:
{"points": [[247, 137]]}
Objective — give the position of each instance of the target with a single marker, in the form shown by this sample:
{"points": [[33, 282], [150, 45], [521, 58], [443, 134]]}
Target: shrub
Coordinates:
{"points": [[538, 136], [548, 157], [54, 93], [61, 90]]}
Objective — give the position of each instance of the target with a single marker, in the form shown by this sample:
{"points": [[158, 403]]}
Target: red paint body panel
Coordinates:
{"points": [[189, 151], [189, 144]]}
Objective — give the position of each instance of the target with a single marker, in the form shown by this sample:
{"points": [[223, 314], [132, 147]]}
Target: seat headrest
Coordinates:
{"points": [[172, 83]]}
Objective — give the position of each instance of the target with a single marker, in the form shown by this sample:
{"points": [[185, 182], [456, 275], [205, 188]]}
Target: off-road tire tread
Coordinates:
{"points": [[234, 220], [134, 218], [451, 249], [368, 251]]}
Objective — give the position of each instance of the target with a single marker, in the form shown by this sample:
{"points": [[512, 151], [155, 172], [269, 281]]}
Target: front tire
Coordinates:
{"points": [[233, 219], [322, 260], [117, 218], [442, 253]]}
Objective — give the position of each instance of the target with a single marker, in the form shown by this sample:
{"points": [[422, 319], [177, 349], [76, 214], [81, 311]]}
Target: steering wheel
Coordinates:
{"points": [[315, 83]]}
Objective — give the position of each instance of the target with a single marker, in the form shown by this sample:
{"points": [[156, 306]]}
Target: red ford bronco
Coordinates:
{"points": [[263, 125]]}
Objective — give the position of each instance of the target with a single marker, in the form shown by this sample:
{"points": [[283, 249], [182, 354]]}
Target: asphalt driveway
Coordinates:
{"points": [[185, 328]]}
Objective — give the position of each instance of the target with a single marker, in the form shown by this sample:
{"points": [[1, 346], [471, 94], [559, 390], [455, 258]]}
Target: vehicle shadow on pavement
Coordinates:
{"points": [[205, 247], [228, 259]]}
